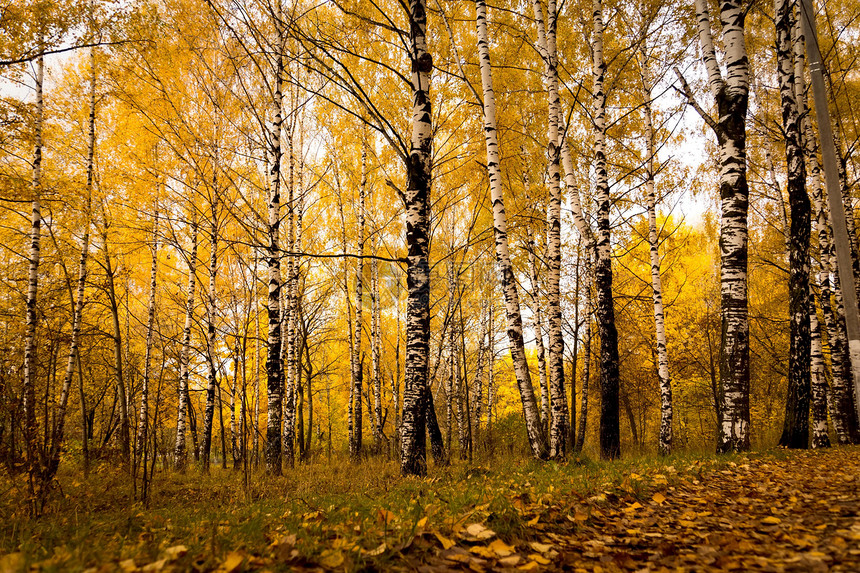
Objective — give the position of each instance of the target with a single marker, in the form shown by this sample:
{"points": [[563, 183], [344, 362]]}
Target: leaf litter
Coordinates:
{"points": [[791, 511]]}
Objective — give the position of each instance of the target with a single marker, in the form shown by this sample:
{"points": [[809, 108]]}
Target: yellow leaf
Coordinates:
{"points": [[232, 562], [530, 566], [13, 563], [331, 559], [540, 547], [501, 548], [771, 520], [385, 517], [687, 523], [483, 551], [539, 559], [446, 543], [421, 523], [533, 522], [658, 497], [633, 507]]}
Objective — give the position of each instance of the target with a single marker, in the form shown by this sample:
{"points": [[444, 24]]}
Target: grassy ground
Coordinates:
{"points": [[338, 515]]}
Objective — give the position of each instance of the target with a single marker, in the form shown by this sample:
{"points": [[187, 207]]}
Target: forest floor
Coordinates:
{"points": [[768, 511]]}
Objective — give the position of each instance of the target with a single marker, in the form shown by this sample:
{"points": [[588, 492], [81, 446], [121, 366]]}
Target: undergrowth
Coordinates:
{"points": [[338, 504]]}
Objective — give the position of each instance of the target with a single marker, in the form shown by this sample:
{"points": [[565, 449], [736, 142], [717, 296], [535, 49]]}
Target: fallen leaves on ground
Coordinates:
{"points": [[801, 513], [787, 511]]}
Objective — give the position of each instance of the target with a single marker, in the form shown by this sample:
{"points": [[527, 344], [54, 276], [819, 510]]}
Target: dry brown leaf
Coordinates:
{"points": [[446, 543], [540, 547]]}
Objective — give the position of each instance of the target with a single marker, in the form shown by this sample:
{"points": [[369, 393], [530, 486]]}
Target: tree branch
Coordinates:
{"points": [[691, 100]]}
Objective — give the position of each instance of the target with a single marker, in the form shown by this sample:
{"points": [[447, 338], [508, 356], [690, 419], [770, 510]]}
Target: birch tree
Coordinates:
{"points": [[358, 359], [413, 454], [211, 304], [274, 367], [731, 97], [58, 431], [30, 356], [610, 434], [795, 432], [503, 258], [666, 410], [180, 450]]}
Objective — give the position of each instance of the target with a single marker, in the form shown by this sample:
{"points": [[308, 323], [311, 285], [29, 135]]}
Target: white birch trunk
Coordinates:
{"points": [[665, 438], [610, 435], [29, 369], [731, 96], [288, 323], [180, 451], [413, 454], [537, 321], [212, 379], [60, 418], [558, 399], [512, 303], [358, 359], [820, 437], [796, 426], [274, 366], [143, 416], [375, 364]]}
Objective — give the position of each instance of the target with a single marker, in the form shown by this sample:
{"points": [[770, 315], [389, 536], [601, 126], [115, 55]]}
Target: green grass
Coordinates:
{"points": [[327, 506]]}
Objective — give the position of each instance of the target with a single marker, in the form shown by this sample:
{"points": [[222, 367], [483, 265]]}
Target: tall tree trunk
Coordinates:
{"points": [[413, 454], [820, 437], [143, 416], [212, 381], [558, 400], [358, 359], [122, 396], [537, 320], [288, 321], [843, 418], [818, 380], [375, 365], [180, 452], [395, 380], [297, 301], [491, 367], [844, 395], [586, 363], [610, 435], [274, 366], [60, 418], [255, 425], [666, 411], [30, 357], [349, 330], [509, 288], [451, 334], [234, 427], [732, 97], [795, 433]]}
